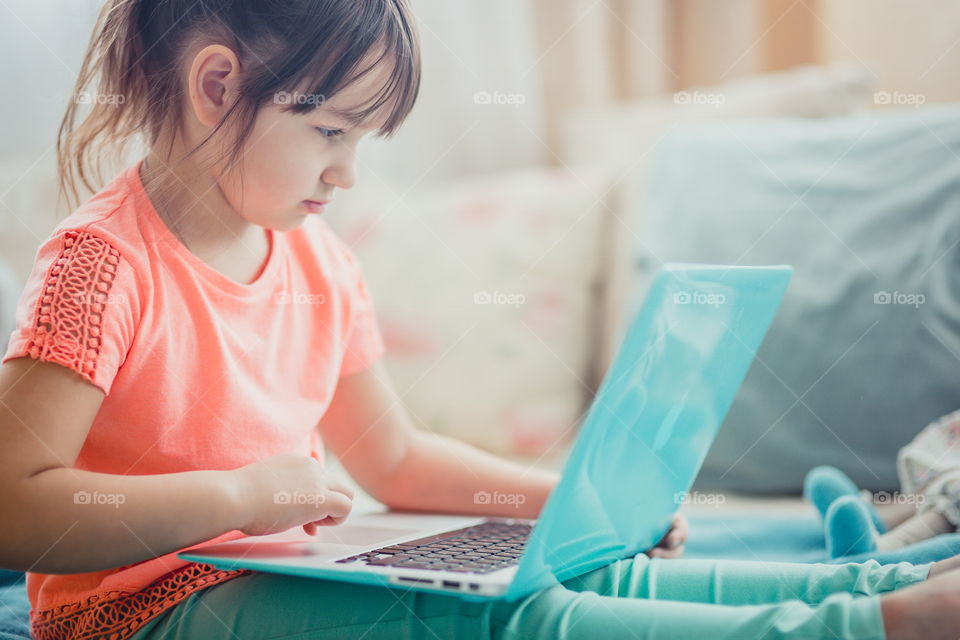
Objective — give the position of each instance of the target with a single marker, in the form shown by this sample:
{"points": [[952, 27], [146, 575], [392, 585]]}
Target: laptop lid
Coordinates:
{"points": [[655, 416]]}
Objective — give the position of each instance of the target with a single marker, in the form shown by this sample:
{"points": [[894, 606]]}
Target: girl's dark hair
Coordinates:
{"points": [[311, 48]]}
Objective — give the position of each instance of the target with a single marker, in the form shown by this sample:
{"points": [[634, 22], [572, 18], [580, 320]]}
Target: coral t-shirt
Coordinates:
{"points": [[200, 371]]}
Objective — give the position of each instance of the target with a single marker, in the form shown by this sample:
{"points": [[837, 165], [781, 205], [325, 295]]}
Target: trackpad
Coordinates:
{"points": [[358, 534], [295, 543]]}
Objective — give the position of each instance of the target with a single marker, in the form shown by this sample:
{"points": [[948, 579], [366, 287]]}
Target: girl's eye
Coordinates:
{"points": [[329, 133]]}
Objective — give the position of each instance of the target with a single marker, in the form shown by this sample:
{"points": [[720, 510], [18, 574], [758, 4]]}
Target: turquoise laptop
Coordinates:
{"points": [[637, 453]]}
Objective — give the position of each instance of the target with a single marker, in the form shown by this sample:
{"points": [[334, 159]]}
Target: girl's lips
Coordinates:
{"points": [[314, 206]]}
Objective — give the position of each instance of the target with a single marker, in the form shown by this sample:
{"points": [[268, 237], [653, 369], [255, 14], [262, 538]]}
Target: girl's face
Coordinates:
{"points": [[291, 161]]}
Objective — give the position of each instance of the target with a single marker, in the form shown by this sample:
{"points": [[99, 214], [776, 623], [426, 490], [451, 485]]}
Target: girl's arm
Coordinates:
{"points": [[404, 467], [440, 473], [62, 520]]}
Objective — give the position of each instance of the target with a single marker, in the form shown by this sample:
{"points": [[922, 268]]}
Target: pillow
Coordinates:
{"points": [[619, 137], [865, 350], [486, 292], [609, 135]]}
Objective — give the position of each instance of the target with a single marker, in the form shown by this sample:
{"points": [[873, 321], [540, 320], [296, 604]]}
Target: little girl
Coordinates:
{"points": [[193, 336]]}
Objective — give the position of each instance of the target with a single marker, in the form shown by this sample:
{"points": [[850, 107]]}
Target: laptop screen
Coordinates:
{"points": [[656, 414]]}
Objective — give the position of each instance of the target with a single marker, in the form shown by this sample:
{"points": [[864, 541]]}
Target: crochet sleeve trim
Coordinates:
{"points": [[74, 296]]}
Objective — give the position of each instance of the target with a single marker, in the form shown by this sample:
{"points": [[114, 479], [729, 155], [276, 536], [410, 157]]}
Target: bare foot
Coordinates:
{"points": [[893, 515], [929, 610], [942, 566]]}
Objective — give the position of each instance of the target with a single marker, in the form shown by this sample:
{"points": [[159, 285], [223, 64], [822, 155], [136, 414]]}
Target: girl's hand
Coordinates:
{"points": [[289, 490], [671, 546]]}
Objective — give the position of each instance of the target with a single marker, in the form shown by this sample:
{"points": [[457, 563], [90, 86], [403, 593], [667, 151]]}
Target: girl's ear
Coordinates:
{"points": [[212, 83]]}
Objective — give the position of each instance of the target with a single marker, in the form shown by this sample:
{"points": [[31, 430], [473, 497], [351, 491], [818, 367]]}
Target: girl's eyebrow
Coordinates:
{"points": [[348, 117]]}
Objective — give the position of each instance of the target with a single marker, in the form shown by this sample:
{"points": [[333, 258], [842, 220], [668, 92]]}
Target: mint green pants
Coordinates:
{"points": [[636, 598]]}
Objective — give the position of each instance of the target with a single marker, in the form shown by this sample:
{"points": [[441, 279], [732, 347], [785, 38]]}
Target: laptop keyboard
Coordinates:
{"points": [[481, 548]]}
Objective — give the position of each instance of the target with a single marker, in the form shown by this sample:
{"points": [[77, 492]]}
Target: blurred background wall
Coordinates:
{"points": [[556, 54], [595, 52]]}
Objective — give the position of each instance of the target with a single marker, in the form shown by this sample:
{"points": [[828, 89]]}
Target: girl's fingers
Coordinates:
{"points": [[660, 552], [336, 485], [681, 530]]}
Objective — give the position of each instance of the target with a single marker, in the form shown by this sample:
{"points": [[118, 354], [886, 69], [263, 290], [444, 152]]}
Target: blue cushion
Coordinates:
{"points": [[865, 350], [793, 539], [14, 606]]}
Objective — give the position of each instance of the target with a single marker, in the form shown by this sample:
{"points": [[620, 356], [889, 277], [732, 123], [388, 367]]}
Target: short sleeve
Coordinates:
{"points": [[363, 340], [79, 307]]}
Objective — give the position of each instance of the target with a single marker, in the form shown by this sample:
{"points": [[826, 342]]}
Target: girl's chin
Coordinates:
{"points": [[281, 223]]}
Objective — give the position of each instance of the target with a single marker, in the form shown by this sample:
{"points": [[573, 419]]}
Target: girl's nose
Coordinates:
{"points": [[342, 174]]}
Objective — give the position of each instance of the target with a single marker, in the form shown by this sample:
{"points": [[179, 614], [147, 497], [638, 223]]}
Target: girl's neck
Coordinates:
{"points": [[190, 203]]}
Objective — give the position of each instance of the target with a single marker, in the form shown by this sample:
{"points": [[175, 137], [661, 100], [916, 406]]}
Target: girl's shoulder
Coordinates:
{"points": [[109, 218], [81, 303]]}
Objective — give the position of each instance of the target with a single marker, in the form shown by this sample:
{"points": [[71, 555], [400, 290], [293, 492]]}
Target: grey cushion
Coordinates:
{"points": [[9, 293], [864, 351]]}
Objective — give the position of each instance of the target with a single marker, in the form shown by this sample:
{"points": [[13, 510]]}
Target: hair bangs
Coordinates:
{"points": [[394, 41]]}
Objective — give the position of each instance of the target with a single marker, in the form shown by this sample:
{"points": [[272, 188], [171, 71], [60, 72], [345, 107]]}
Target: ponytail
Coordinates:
{"points": [[112, 83]]}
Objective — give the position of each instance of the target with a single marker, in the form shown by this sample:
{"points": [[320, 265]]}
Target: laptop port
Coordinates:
{"points": [[474, 586], [407, 579], [451, 583]]}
